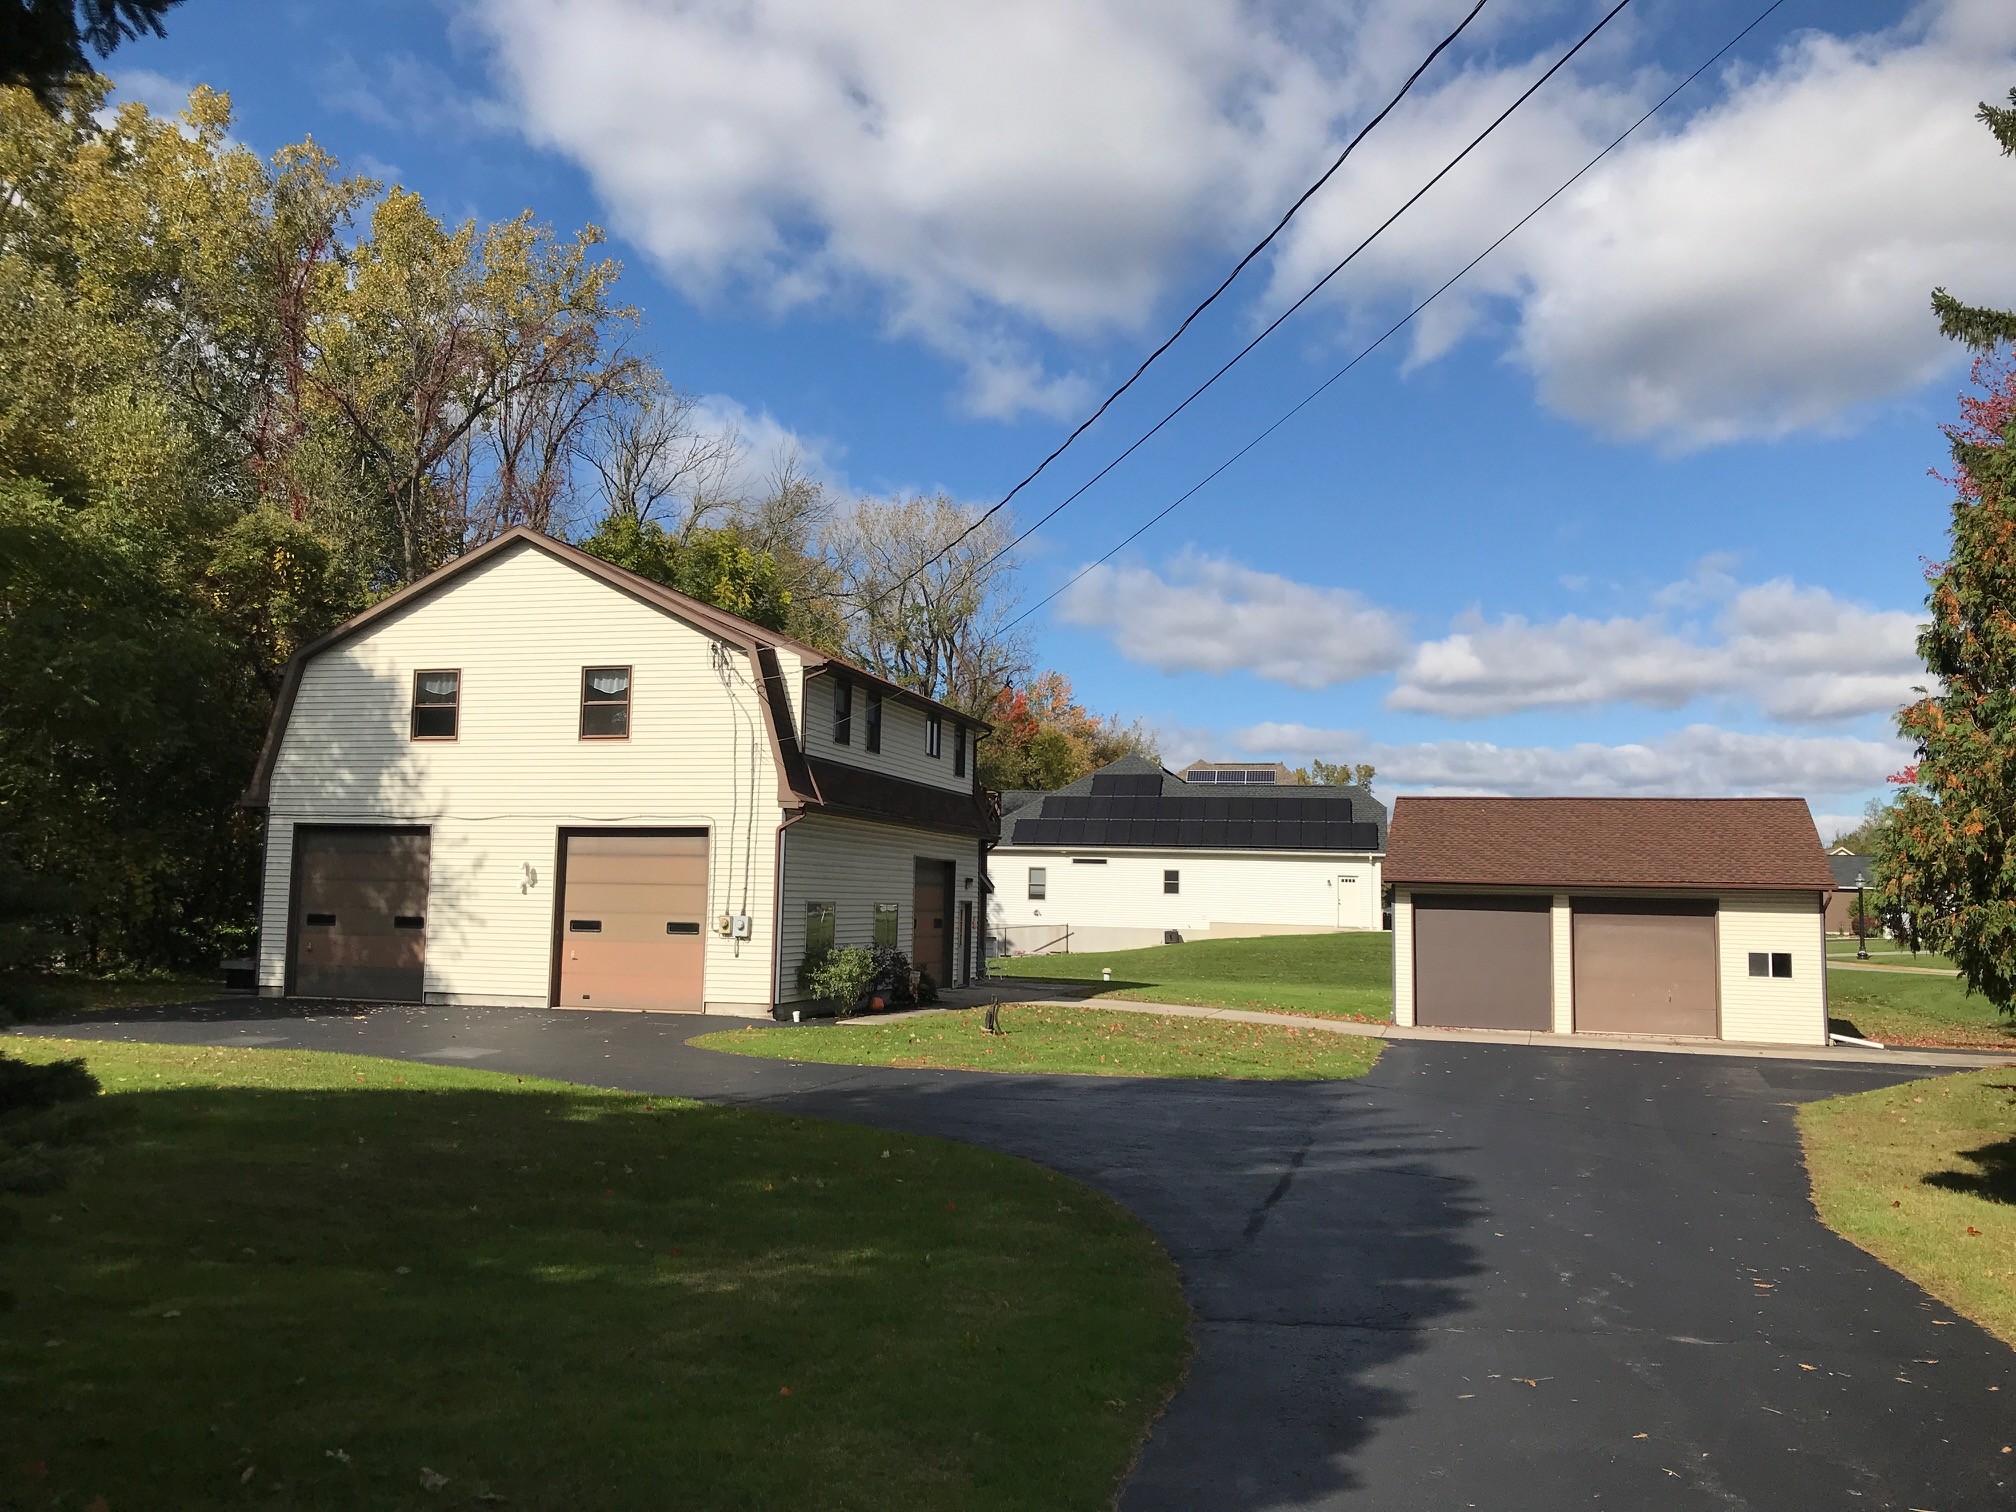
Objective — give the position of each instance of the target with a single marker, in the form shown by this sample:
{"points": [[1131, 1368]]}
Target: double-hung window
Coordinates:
{"points": [[818, 930], [1039, 883], [1172, 882], [934, 736], [872, 739], [958, 750], [437, 705], [886, 917], [605, 703], [843, 711]]}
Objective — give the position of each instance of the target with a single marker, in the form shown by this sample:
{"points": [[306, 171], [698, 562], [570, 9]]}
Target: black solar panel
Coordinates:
{"points": [[1128, 782]]}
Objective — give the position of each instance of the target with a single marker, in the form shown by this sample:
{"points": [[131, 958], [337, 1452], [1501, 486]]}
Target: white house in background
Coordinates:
{"points": [[533, 778], [1134, 855]]}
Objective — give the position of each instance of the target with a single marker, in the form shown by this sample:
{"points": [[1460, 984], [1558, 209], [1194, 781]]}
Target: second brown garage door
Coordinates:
{"points": [[1482, 962], [1645, 967], [633, 921]]}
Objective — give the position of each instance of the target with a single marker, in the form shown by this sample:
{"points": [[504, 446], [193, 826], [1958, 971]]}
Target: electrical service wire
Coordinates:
{"points": [[1393, 329]]}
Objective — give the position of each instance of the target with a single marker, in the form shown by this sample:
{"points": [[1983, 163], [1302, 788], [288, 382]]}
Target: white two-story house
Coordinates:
{"points": [[534, 778]]}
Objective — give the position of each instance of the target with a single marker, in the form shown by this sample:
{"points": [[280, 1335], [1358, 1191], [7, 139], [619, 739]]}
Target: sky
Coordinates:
{"points": [[1643, 504]]}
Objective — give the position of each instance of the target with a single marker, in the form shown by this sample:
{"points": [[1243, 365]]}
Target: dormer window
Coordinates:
{"points": [[934, 736], [843, 711], [437, 705], [873, 737]]}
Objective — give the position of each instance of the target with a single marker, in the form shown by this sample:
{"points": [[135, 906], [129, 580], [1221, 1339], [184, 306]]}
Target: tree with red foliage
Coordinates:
{"points": [[1948, 855], [1044, 738]]}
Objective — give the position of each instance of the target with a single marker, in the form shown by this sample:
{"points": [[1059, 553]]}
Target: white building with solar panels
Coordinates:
{"points": [[1135, 855]]}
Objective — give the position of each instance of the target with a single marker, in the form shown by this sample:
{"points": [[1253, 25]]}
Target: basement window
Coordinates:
{"points": [[437, 705], [605, 703]]}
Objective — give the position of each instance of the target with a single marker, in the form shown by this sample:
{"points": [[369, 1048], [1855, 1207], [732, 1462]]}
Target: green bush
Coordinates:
{"points": [[842, 977]]}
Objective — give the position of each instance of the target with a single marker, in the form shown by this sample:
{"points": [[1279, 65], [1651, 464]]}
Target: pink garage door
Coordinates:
{"points": [[633, 918]]}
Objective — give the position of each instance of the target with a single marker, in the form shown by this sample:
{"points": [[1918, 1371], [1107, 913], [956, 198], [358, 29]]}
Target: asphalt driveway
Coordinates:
{"points": [[1483, 1276]]}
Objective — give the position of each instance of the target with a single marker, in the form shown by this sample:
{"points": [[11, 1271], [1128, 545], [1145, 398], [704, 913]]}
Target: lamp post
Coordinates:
{"points": [[1861, 924]]}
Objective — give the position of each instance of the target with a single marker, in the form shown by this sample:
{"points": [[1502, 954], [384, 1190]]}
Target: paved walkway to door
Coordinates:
{"points": [[1504, 1277]]}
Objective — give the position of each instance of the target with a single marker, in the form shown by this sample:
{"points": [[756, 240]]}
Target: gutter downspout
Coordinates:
{"points": [[777, 920]]}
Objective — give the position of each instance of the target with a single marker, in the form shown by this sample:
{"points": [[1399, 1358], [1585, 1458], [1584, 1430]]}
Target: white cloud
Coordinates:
{"points": [[993, 176], [1799, 654], [767, 443], [1205, 614], [1698, 760], [1758, 268]]}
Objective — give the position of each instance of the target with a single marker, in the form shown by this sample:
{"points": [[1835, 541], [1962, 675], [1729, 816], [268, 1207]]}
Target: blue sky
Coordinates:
{"points": [[1641, 508]]}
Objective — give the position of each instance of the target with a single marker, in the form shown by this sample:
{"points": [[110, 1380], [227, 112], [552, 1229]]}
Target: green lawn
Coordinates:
{"points": [[304, 1280], [1334, 975], [50, 997], [1923, 1176], [1072, 1041], [1898, 1009]]}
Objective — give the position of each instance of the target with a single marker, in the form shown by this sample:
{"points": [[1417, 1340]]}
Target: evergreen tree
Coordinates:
{"points": [[1948, 856]]}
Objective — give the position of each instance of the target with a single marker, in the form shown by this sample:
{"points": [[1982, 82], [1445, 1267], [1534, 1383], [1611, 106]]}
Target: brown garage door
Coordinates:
{"points": [[359, 928], [1482, 962], [1644, 967], [633, 918], [931, 919]]}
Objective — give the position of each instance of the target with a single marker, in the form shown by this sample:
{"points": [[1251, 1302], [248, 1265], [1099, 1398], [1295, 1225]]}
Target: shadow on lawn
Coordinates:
{"points": [[1994, 1176], [1321, 1239]]}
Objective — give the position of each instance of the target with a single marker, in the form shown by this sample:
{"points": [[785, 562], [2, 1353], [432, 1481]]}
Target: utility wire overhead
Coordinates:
{"points": [[1210, 299], [1313, 290], [1392, 330]]}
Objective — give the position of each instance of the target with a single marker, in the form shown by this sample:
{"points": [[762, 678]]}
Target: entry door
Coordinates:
{"points": [[1645, 967], [1482, 962], [359, 928], [633, 915], [1350, 901], [931, 916]]}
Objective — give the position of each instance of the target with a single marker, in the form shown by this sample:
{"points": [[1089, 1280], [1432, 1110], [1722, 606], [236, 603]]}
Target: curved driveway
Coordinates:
{"points": [[1492, 1277]]}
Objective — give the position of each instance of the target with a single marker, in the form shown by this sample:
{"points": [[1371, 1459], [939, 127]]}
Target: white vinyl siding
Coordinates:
{"points": [[856, 864], [1403, 958], [520, 628], [904, 752], [1121, 904], [1772, 1010]]}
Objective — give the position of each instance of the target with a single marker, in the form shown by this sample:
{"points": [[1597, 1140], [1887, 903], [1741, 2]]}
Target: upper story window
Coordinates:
{"points": [[958, 750], [872, 736], [1039, 883], [605, 703], [843, 711], [1172, 881], [934, 736], [437, 705]]}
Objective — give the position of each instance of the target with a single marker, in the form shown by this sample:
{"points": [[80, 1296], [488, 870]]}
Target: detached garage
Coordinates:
{"points": [[1680, 918]]}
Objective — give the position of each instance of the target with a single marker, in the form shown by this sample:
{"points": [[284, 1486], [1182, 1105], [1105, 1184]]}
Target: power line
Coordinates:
{"points": [[1398, 325], [1210, 299], [1275, 324]]}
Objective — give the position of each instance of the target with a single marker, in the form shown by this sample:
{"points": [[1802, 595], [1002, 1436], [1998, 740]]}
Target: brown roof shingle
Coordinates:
{"points": [[1731, 843]]}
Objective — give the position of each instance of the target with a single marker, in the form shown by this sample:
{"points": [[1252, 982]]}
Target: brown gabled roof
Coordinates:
{"points": [[796, 784], [1723, 843]]}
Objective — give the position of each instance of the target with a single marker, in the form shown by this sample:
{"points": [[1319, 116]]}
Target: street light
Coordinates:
{"points": [[1861, 923]]}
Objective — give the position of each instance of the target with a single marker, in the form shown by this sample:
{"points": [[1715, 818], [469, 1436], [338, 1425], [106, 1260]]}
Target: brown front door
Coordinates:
{"points": [[359, 926], [1482, 962], [1645, 967], [931, 917], [633, 917]]}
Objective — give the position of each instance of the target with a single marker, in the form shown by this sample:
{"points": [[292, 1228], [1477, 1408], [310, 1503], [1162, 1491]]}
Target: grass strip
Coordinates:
{"points": [[1068, 1041], [325, 1281], [1329, 975], [1900, 1009], [1923, 1177]]}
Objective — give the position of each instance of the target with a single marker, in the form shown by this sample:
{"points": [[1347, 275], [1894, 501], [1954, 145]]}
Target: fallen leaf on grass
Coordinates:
{"points": [[1804, 1366], [246, 1478], [431, 1480]]}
